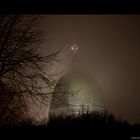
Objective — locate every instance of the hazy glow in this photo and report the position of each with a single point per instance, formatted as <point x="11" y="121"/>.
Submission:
<point x="74" y="48"/>
<point x="109" y="49"/>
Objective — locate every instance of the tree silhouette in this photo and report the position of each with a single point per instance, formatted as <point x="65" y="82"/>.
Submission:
<point x="22" y="65"/>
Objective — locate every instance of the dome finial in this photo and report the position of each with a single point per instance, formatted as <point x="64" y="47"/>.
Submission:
<point x="74" y="48"/>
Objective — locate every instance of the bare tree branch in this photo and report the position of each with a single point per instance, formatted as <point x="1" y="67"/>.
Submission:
<point x="22" y="63"/>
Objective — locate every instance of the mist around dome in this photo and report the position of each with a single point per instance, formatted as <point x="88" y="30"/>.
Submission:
<point x="76" y="91"/>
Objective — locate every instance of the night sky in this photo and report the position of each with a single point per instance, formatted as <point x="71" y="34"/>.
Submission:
<point x="109" y="48"/>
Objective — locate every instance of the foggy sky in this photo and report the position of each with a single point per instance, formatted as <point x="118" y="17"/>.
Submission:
<point x="109" y="47"/>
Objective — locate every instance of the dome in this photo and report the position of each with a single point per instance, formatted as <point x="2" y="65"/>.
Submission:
<point x="76" y="91"/>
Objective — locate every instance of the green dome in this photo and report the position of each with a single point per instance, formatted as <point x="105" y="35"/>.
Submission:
<point x="76" y="90"/>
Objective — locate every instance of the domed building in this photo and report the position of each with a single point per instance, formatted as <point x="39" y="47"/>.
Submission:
<point x="76" y="92"/>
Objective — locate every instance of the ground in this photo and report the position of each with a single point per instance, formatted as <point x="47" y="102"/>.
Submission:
<point x="88" y="126"/>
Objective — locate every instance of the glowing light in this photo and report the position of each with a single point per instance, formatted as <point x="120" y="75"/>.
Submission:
<point x="74" y="48"/>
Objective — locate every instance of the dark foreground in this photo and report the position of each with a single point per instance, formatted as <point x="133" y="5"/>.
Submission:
<point x="86" y="126"/>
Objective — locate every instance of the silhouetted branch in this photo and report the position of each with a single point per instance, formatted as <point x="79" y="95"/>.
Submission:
<point x="22" y="63"/>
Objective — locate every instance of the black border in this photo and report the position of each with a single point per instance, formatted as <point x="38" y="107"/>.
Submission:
<point x="46" y="7"/>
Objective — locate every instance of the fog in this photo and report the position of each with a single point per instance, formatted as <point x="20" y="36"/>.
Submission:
<point x="109" y="47"/>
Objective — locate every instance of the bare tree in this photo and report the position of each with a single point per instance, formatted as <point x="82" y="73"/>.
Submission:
<point x="22" y="65"/>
